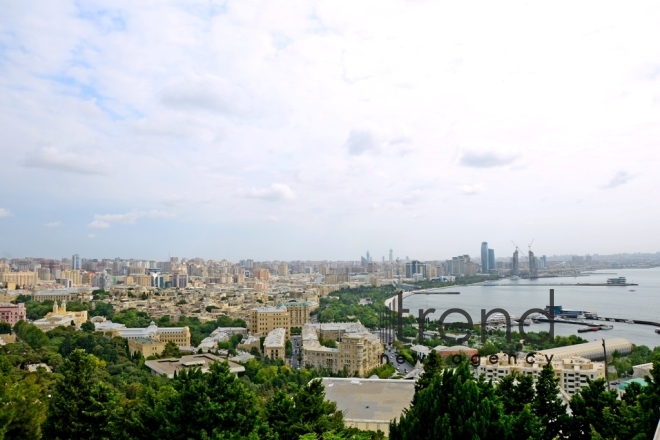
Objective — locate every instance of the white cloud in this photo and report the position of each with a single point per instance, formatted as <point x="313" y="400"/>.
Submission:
<point x="129" y="218"/>
<point x="276" y="192"/>
<point x="471" y="190"/>
<point x="91" y="235"/>
<point x="619" y="179"/>
<point x="5" y="212"/>
<point x="54" y="224"/>
<point x="361" y="141"/>
<point x="51" y="158"/>
<point x="486" y="159"/>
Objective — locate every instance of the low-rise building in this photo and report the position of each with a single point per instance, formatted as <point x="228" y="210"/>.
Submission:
<point x="52" y="295"/>
<point x="12" y="313"/>
<point x="358" y="350"/>
<point x="275" y="343"/>
<point x="61" y="317"/>
<point x="171" y="366"/>
<point x="369" y="404"/>
<point x="572" y="372"/>
<point x="591" y="350"/>
<point x="179" y="335"/>
<point x="146" y="346"/>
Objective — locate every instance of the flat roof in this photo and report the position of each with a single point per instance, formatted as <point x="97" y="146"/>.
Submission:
<point x="369" y="399"/>
<point x="171" y="365"/>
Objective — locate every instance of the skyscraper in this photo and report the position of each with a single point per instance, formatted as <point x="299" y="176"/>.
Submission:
<point x="491" y="259"/>
<point x="75" y="262"/>
<point x="484" y="257"/>
<point x="368" y="257"/>
<point x="391" y="255"/>
<point x="514" y="266"/>
<point x="533" y="272"/>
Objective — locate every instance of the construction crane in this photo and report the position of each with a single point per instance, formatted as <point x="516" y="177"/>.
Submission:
<point x="529" y="246"/>
<point x="518" y="249"/>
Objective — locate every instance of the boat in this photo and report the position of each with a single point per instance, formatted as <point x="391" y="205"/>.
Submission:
<point x="629" y="321"/>
<point x="514" y="278"/>
<point x="605" y="326"/>
<point x="490" y="284"/>
<point x="632" y="290"/>
<point x="572" y="314"/>
<point x="617" y="281"/>
<point x="588" y="329"/>
<point x="657" y="330"/>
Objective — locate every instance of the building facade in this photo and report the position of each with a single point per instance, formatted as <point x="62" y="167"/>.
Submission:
<point x="12" y="313"/>
<point x="275" y="343"/>
<point x="298" y="313"/>
<point x="358" y="351"/>
<point x="484" y="257"/>
<point x="263" y="320"/>
<point x="572" y="372"/>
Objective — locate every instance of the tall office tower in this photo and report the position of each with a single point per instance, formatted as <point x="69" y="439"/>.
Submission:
<point x="391" y="255"/>
<point x="514" y="266"/>
<point x="484" y="257"/>
<point x="368" y="257"/>
<point x="532" y="265"/>
<point x="363" y="262"/>
<point x="75" y="262"/>
<point x="491" y="259"/>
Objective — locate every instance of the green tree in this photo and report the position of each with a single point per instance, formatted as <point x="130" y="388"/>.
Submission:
<point x="5" y="328"/>
<point x="82" y="406"/>
<point x="314" y="414"/>
<point x="453" y="406"/>
<point x="649" y="402"/>
<point x="171" y="350"/>
<point x="547" y="405"/>
<point x="31" y="335"/>
<point x="23" y="409"/>
<point x="594" y="408"/>
<point x="279" y="412"/>
<point x="215" y="405"/>
<point x="433" y="364"/>
<point x="88" y="326"/>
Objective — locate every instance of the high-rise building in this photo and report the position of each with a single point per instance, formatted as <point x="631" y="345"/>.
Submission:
<point x="415" y="267"/>
<point x="484" y="257"/>
<point x="391" y="255"/>
<point x="75" y="262"/>
<point x="368" y="258"/>
<point x="532" y="265"/>
<point x="514" y="266"/>
<point x="491" y="259"/>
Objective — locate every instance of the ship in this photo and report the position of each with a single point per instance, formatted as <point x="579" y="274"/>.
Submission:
<point x="657" y="330"/>
<point x="617" y="281"/>
<point x="560" y="312"/>
<point x="605" y="326"/>
<point x="588" y="329"/>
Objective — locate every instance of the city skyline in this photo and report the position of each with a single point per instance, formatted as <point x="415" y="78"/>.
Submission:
<point x="326" y="129"/>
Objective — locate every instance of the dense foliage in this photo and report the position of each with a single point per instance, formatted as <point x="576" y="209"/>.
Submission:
<point x="99" y="391"/>
<point x="452" y="404"/>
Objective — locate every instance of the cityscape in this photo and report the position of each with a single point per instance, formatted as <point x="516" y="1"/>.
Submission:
<point x="185" y="313"/>
<point x="329" y="220"/>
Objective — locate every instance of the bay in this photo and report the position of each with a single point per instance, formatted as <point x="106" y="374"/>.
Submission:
<point x="517" y="296"/>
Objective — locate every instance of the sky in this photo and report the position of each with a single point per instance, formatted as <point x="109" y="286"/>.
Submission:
<point x="318" y="130"/>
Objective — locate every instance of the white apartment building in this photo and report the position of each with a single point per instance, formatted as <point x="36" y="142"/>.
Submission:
<point x="274" y="344"/>
<point x="572" y="372"/>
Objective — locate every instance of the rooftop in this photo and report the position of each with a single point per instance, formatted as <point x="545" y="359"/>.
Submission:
<point x="171" y="365"/>
<point x="369" y="399"/>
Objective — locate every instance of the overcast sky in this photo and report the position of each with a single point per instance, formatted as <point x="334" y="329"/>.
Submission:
<point x="323" y="129"/>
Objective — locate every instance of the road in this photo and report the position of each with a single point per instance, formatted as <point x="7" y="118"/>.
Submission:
<point x="296" y="341"/>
